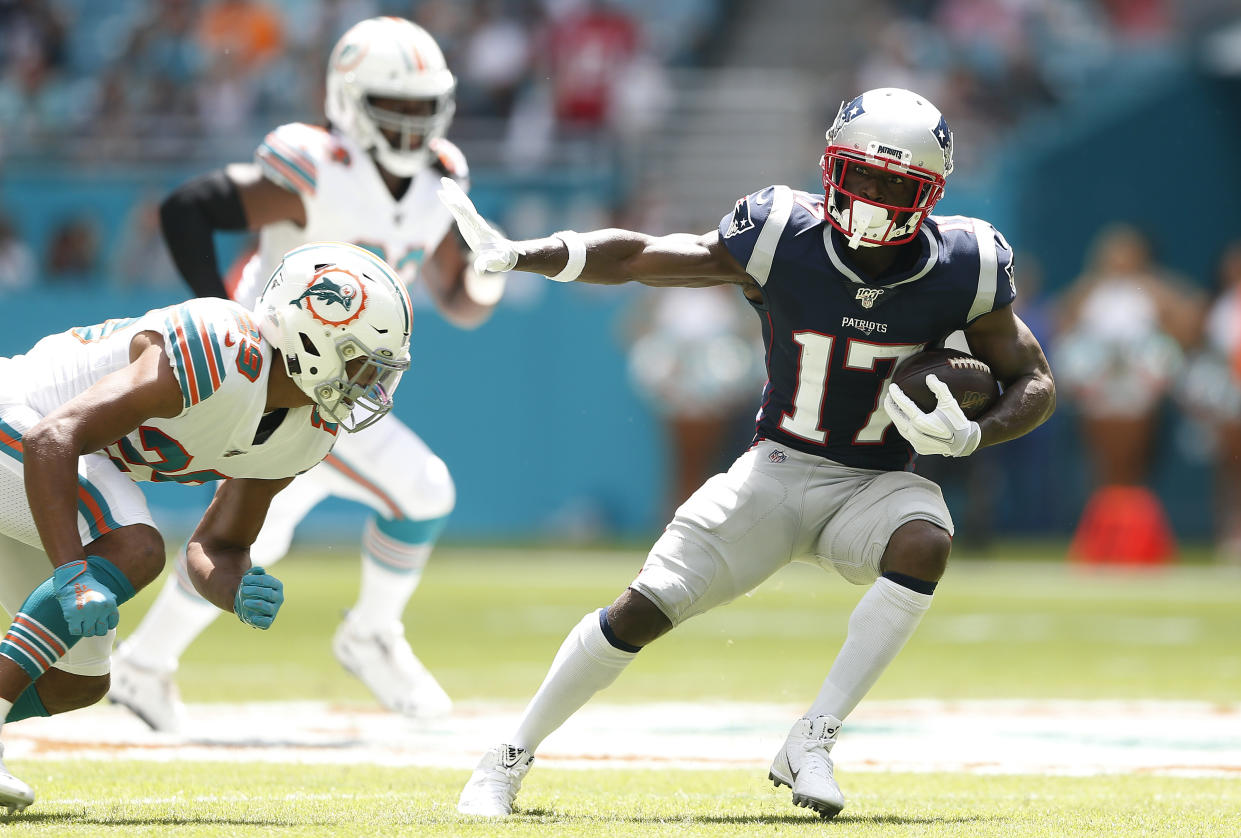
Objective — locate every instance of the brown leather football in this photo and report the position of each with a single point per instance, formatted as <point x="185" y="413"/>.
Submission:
<point x="969" y="379"/>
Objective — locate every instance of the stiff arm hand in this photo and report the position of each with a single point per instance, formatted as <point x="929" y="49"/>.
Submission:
<point x="493" y="253"/>
<point x="259" y="597"/>
<point x="944" y="430"/>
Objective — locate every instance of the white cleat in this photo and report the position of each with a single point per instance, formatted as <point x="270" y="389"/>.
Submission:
<point x="493" y="786"/>
<point x="382" y="659"/>
<point x="14" y="794"/>
<point x="805" y="765"/>
<point x="149" y="693"/>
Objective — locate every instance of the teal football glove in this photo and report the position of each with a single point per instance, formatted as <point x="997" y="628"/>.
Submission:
<point x="259" y="597"/>
<point x="89" y="606"/>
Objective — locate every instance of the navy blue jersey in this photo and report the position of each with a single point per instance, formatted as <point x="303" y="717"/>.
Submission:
<point x="834" y="337"/>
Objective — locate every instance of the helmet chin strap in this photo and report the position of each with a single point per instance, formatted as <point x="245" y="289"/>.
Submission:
<point x="864" y="218"/>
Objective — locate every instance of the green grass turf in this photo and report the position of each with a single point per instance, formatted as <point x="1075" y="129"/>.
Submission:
<point x="488" y="622"/>
<point x="186" y="799"/>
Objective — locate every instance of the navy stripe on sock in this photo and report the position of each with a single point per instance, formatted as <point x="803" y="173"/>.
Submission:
<point x="610" y="635"/>
<point x="920" y="586"/>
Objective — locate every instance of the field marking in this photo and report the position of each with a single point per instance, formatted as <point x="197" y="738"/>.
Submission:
<point x="985" y="737"/>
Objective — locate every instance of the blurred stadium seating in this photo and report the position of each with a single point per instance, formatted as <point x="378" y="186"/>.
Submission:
<point x="1068" y="115"/>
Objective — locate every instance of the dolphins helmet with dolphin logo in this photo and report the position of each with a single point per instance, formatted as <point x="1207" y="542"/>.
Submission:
<point x="327" y="306"/>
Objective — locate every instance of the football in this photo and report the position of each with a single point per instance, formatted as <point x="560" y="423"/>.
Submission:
<point x="968" y="378"/>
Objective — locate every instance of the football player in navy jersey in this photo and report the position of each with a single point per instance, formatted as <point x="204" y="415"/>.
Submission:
<point x="846" y="284"/>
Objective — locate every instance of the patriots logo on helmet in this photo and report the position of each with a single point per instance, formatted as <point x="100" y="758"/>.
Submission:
<point x="852" y="111"/>
<point x="944" y="134"/>
<point x="741" y="219"/>
<point x="331" y="301"/>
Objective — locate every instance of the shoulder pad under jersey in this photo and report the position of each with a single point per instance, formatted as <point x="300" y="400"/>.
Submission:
<point x="978" y="246"/>
<point x="208" y="340"/>
<point x="292" y="154"/>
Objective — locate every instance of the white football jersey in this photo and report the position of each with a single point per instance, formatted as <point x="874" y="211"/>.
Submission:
<point x="222" y="364"/>
<point x="347" y="200"/>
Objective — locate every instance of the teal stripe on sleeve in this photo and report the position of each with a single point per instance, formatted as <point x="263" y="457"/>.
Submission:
<point x="198" y="352"/>
<point x="179" y="362"/>
<point x="280" y="160"/>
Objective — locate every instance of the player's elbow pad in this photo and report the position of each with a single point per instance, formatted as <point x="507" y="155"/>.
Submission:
<point x="213" y="197"/>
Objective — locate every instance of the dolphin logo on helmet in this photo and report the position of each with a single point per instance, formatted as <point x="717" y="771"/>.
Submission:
<point x="323" y="295"/>
<point x="341" y="319"/>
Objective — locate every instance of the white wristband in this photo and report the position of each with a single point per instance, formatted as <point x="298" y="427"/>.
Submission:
<point x="577" y="255"/>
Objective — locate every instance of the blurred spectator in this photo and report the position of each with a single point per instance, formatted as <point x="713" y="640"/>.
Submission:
<point x="141" y="260"/>
<point x="1139" y="20"/>
<point x="1123" y="325"/>
<point x="238" y="39"/>
<point x="17" y="264"/>
<point x="696" y="356"/>
<point x="587" y="49"/>
<point x="73" y="253"/>
<point x="1211" y="391"/>
<point x="495" y="61"/>
<point x="37" y="103"/>
<point x="245" y="33"/>
<point x="905" y="53"/>
<point x="31" y="28"/>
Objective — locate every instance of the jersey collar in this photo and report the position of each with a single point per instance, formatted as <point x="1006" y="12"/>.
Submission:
<point x="927" y="259"/>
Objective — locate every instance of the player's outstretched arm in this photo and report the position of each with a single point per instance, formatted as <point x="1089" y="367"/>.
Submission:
<point x="218" y="553"/>
<point x="603" y="257"/>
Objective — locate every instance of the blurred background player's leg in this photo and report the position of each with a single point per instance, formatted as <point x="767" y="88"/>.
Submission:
<point x="370" y="642"/>
<point x="392" y="471"/>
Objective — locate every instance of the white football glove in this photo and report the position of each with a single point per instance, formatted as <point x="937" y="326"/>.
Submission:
<point x="493" y="253"/>
<point x="944" y="430"/>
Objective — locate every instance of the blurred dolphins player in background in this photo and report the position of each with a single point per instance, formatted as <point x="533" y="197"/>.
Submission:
<point x="370" y="177"/>
<point x="846" y="283"/>
<point x="202" y="391"/>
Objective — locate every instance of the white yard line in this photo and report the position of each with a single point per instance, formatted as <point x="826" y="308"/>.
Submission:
<point x="1036" y="737"/>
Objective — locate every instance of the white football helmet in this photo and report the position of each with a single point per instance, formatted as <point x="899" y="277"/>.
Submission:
<point x="329" y="304"/>
<point x="390" y="57"/>
<point x="895" y="130"/>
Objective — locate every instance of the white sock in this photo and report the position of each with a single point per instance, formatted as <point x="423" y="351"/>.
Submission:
<point x="585" y="664"/>
<point x="391" y="571"/>
<point x="177" y="616"/>
<point x="882" y="622"/>
<point x="5" y="707"/>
